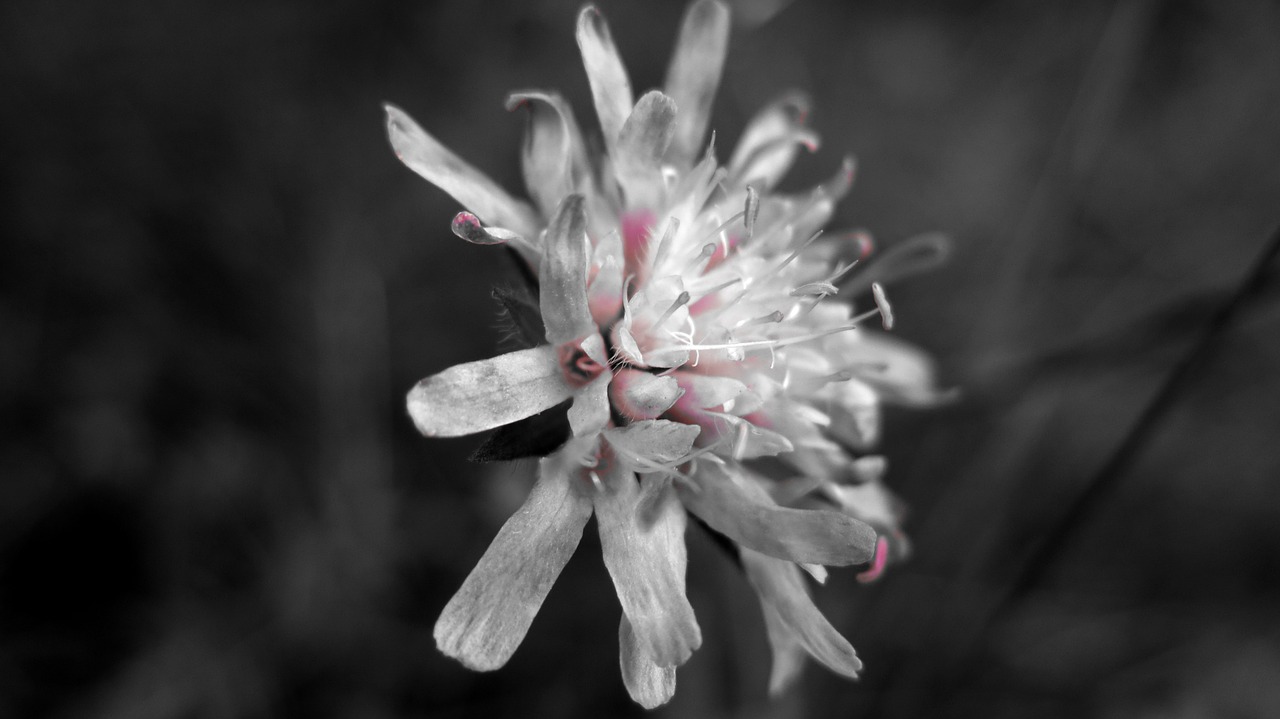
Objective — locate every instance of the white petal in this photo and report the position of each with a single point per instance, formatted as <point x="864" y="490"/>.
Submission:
<point x="647" y="564"/>
<point x="782" y="591"/>
<point x="486" y="620"/>
<point x="707" y="391"/>
<point x="423" y="154"/>
<point x="649" y="685"/>
<point x="610" y="87"/>
<point x="744" y="512"/>
<point x="900" y="372"/>
<point x="655" y="440"/>
<point x="769" y="144"/>
<point x="643" y="395"/>
<point x="589" y="412"/>
<point x="855" y="414"/>
<point x="554" y="158"/>
<point x="563" y="275"/>
<point x="788" y="654"/>
<point x="694" y="74"/>
<point x="643" y="140"/>
<point x="476" y="396"/>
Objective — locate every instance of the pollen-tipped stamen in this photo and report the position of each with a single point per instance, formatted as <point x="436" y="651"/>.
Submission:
<point x="882" y="304"/>
<point x="680" y="301"/>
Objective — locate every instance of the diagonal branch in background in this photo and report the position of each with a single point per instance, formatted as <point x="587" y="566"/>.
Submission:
<point x="1042" y="556"/>
<point x="1048" y="549"/>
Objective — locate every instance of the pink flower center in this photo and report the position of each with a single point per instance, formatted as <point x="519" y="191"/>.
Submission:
<point x="578" y="367"/>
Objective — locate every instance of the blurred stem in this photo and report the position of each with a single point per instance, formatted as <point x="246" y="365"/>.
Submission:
<point x="1045" y="552"/>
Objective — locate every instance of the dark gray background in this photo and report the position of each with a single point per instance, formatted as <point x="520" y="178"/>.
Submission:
<point x="218" y="283"/>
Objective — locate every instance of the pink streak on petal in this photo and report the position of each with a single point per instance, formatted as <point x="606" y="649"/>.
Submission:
<point x="878" y="562"/>
<point x="636" y="228"/>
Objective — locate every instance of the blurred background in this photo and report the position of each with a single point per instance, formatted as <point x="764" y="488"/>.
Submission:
<point x="219" y="283"/>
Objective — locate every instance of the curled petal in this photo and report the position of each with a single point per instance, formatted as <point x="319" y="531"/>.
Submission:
<point x="643" y="140"/>
<point x="470" y="228"/>
<point x="554" y="158"/>
<point x="653" y="440"/>
<point x="563" y="275"/>
<point x="643" y="395"/>
<point x="769" y="144"/>
<point x="913" y="256"/>
<point x="610" y="87"/>
<point x="476" y="396"/>
<point x="423" y="154"/>
<point x="486" y="620"/>
<point x="782" y="592"/>
<point x="647" y="564"/>
<point x="649" y="685"/>
<point x="694" y="74"/>
<point x="743" y="511"/>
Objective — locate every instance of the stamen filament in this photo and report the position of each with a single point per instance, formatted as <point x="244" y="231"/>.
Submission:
<point x="664" y="245"/>
<point x="680" y="301"/>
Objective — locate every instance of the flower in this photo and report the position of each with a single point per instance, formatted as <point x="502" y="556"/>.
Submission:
<point x="690" y="316"/>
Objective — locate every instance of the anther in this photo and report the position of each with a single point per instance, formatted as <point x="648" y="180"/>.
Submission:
<point x="708" y="250"/>
<point x="681" y="300"/>
<point x="772" y="317"/>
<point x="751" y="211"/>
<point x="882" y="304"/>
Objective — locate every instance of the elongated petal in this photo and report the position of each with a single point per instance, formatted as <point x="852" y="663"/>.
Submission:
<point x="642" y="142"/>
<point x="563" y="275"/>
<point x="649" y="685"/>
<point x="694" y="74"/>
<point x="782" y="591"/>
<point x="423" y="154"/>
<point x="655" y="440"/>
<point x="771" y="140"/>
<point x="648" y="567"/>
<point x="743" y="511"/>
<point x="590" y="411"/>
<point x="554" y="157"/>
<point x="610" y="87"/>
<point x="476" y="396"/>
<point x="788" y="653"/>
<point x="486" y="620"/>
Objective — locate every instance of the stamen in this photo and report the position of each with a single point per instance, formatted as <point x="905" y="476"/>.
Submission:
<point x="708" y="250"/>
<point x="818" y="289"/>
<point x="664" y="245"/>
<point x="595" y="480"/>
<point x="681" y="300"/>
<point x="757" y="281"/>
<point x="773" y="343"/>
<point x="866" y="316"/>
<point x="772" y="317"/>
<point x="882" y="304"/>
<point x="751" y="211"/>
<point x="724" y="226"/>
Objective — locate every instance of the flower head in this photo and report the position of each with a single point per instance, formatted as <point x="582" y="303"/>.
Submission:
<point x="695" y="320"/>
